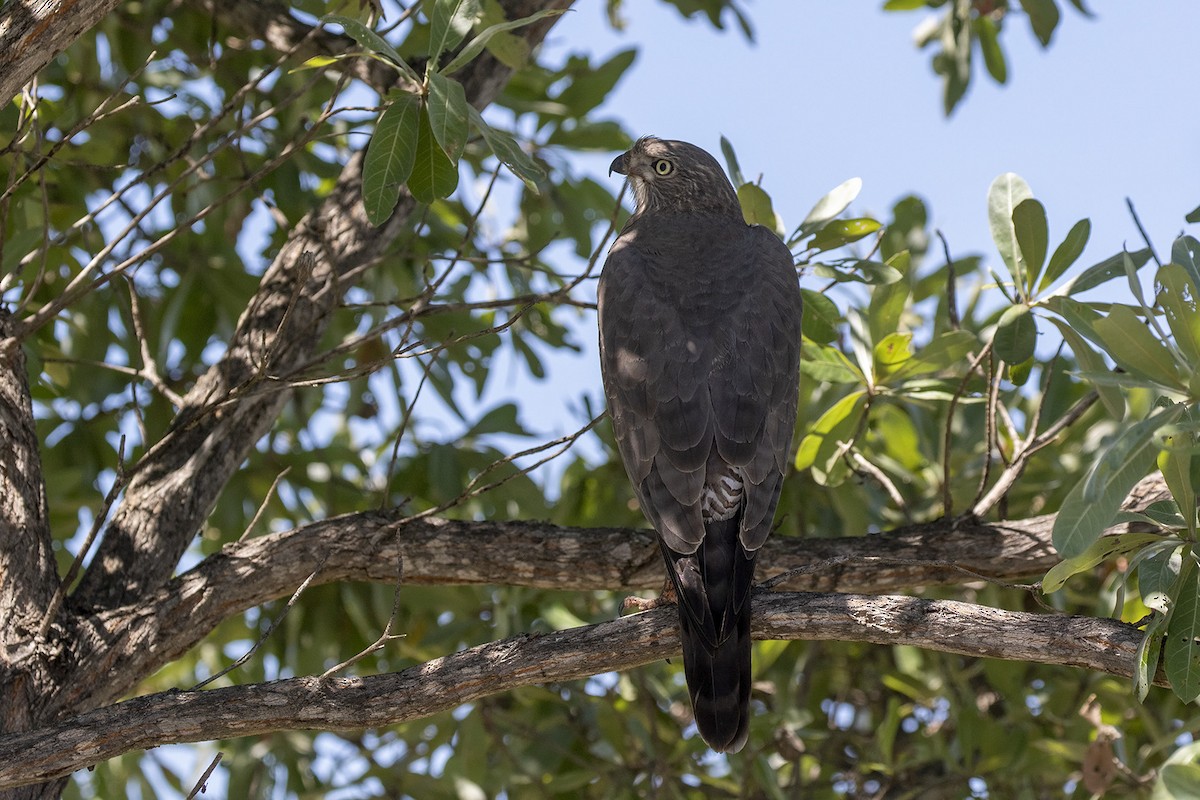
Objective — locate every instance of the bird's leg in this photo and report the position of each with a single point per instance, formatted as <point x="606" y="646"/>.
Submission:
<point x="666" y="597"/>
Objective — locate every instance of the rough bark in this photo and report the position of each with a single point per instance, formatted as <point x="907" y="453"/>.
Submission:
<point x="34" y="32"/>
<point x="143" y="637"/>
<point x="27" y="569"/>
<point x="354" y="703"/>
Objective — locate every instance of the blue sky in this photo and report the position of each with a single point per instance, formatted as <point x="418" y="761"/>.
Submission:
<point x="830" y="91"/>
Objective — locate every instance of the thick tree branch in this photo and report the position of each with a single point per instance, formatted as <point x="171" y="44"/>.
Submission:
<point x="143" y="637"/>
<point x="28" y="574"/>
<point x="235" y="403"/>
<point x="33" y="32"/>
<point x="1102" y="645"/>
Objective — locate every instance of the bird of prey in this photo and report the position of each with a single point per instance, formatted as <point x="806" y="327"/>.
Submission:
<point x="700" y="348"/>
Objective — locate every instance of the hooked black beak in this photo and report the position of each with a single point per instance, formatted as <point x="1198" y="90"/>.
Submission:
<point x="620" y="165"/>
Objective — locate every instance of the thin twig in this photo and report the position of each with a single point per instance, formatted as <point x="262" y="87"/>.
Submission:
<point x="263" y="505"/>
<point x="951" y="291"/>
<point x="387" y="635"/>
<point x="270" y="628"/>
<point x="1145" y="237"/>
<point x="201" y="785"/>
<point x="110" y="497"/>
<point x="947" y="434"/>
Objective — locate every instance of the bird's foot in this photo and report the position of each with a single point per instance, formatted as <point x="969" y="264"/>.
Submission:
<point x="666" y="597"/>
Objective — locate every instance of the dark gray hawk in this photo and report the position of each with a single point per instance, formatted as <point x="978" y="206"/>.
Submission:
<point x="700" y="347"/>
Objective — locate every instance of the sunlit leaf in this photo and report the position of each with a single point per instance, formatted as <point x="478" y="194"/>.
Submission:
<point x="756" y="206"/>
<point x="828" y="364"/>
<point x="370" y="40"/>
<point x="944" y="352"/>
<point x="822" y="445"/>
<point x="1181" y="653"/>
<point x="1090" y="361"/>
<point x="1091" y="505"/>
<point x="1004" y="195"/>
<point x="1105" y="271"/>
<point x="989" y="45"/>
<point x="1067" y="252"/>
<point x="1099" y="551"/>
<point x="1135" y="349"/>
<point x="829" y="206"/>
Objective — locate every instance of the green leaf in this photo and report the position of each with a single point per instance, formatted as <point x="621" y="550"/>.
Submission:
<point x="828" y="364"/>
<point x="903" y="5"/>
<point x="1185" y="251"/>
<point x="1043" y="18"/>
<point x="821" y="448"/>
<point x="1156" y="575"/>
<point x="1016" y="334"/>
<point x="1091" y="505"/>
<point x="17" y="246"/>
<point x="1090" y="361"/>
<point x="838" y="232"/>
<point x="433" y="176"/>
<point x="829" y="206"/>
<point x="1100" y="550"/>
<point x="989" y="45"/>
<point x="390" y="156"/>
<point x="1033" y="239"/>
<point x="756" y="206"/>
<point x="448" y="114"/>
<point x="1104" y="271"/>
<point x="821" y="317"/>
<point x="449" y="23"/>
<point x="1177" y="299"/>
<point x="1067" y="253"/>
<point x="889" y="300"/>
<point x="890" y="353"/>
<point x="1181" y="654"/>
<point x="1130" y="343"/>
<point x="731" y="162"/>
<point x="508" y="151"/>
<point x="476" y="45"/>
<point x="589" y="89"/>
<point x="870" y="272"/>
<point x="1193" y="215"/>
<point x="1006" y="193"/>
<point x="944" y="352"/>
<point x="371" y="40"/>
<point x="1148" y="653"/>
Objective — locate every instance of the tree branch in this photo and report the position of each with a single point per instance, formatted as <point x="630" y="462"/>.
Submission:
<point x="28" y="574"/>
<point x="1102" y="645"/>
<point x="143" y="637"/>
<point x="237" y="400"/>
<point x="34" y="32"/>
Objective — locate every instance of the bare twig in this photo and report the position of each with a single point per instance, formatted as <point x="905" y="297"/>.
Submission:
<point x="202" y="784"/>
<point x="270" y="628"/>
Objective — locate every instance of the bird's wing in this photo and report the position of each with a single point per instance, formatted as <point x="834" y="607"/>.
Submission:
<point x="677" y="382"/>
<point x="655" y="374"/>
<point x="753" y="389"/>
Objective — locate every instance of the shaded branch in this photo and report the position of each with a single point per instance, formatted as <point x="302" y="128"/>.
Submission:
<point x="368" y="547"/>
<point x="1102" y="645"/>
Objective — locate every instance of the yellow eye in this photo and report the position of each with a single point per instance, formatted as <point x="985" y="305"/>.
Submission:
<point x="663" y="167"/>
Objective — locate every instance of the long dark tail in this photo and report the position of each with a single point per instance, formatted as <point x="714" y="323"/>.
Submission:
<point x="713" y="585"/>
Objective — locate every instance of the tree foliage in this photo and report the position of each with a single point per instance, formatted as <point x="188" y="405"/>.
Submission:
<point x="262" y="264"/>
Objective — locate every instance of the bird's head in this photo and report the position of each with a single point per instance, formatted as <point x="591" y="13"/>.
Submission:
<point x="673" y="176"/>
